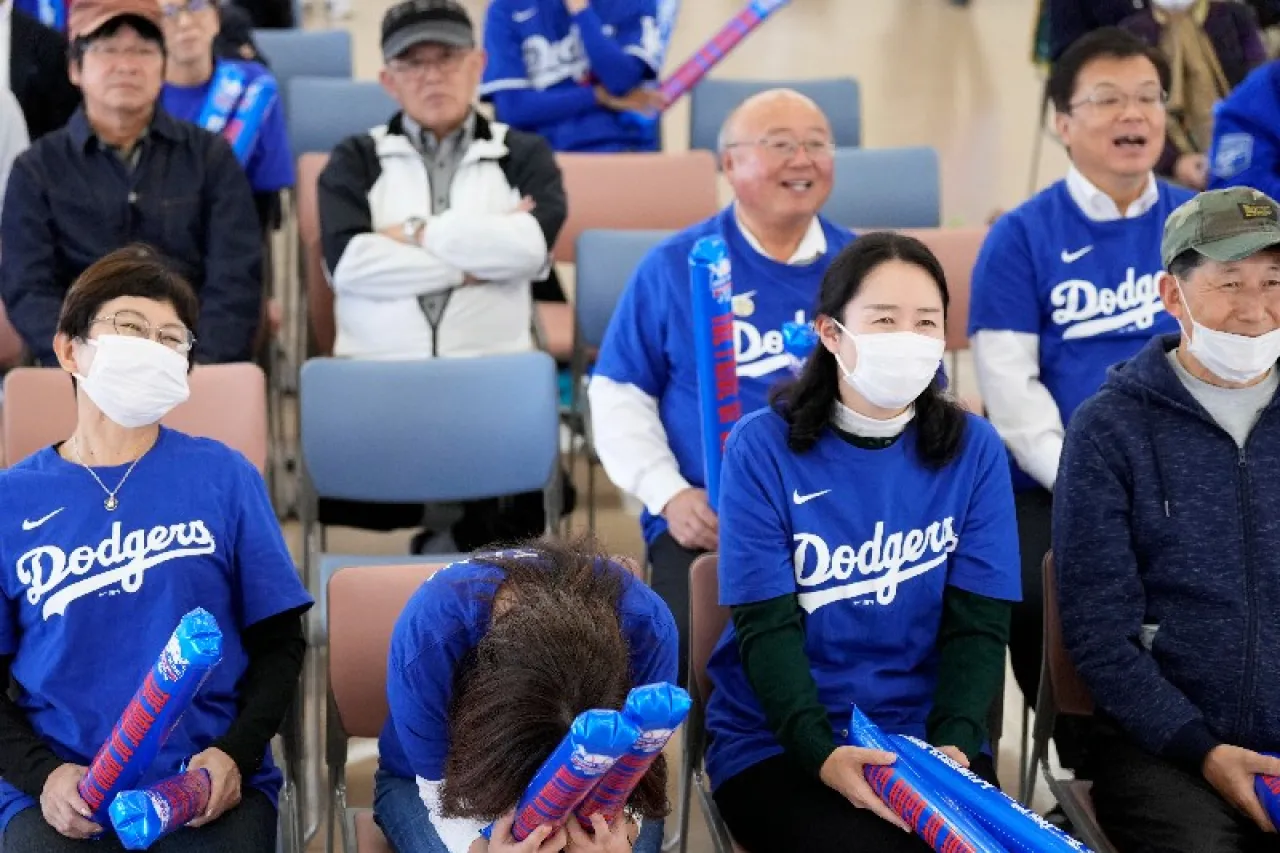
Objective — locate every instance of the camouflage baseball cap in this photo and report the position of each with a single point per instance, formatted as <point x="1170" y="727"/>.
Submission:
<point x="1223" y="225"/>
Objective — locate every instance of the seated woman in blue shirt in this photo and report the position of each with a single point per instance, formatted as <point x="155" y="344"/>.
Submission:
<point x="491" y="660"/>
<point x="191" y="92"/>
<point x="868" y="552"/>
<point x="114" y="535"/>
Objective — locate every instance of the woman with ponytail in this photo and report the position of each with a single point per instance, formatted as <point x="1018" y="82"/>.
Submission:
<point x="869" y="555"/>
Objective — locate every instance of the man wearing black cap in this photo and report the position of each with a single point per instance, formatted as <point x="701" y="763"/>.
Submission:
<point x="435" y="224"/>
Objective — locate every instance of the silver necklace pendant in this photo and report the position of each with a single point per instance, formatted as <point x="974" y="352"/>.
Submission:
<point x="111" y="503"/>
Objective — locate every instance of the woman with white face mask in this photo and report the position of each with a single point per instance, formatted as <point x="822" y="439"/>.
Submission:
<point x="114" y="535"/>
<point x="869" y="552"/>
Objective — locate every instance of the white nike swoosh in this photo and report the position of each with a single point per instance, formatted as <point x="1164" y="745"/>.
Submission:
<point x="27" y="524"/>
<point x="1072" y="257"/>
<point x="804" y="499"/>
<point x="521" y="17"/>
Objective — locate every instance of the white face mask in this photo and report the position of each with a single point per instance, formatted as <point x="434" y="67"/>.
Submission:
<point x="1173" y="5"/>
<point x="134" y="381"/>
<point x="1235" y="358"/>
<point x="893" y="368"/>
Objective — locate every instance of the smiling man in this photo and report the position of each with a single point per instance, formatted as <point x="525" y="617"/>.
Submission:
<point x="776" y="152"/>
<point x="1066" y="285"/>
<point x="123" y="171"/>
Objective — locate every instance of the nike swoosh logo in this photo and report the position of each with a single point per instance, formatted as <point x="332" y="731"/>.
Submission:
<point x="804" y="499"/>
<point x="27" y="524"/>
<point x="1072" y="257"/>
<point x="521" y="17"/>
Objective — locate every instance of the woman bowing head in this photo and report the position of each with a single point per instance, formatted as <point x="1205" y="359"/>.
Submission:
<point x="868" y="553"/>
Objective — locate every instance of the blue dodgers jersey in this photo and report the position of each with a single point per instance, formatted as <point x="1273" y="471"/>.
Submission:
<point x="270" y="166"/>
<point x="650" y="344"/>
<point x="445" y="619"/>
<point x="867" y="541"/>
<point x="1089" y="290"/>
<point x="535" y="44"/>
<point x="92" y="596"/>
<point x="1246" y="134"/>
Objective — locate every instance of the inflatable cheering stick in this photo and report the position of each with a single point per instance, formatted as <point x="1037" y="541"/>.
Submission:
<point x="1268" y="790"/>
<point x="942" y="825"/>
<point x="595" y="741"/>
<point x="193" y="650"/>
<point x="715" y="352"/>
<point x="141" y="818"/>
<point x="1015" y="826"/>
<point x="656" y="710"/>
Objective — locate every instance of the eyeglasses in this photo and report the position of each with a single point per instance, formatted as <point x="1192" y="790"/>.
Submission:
<point x="1111" y="102"/>
<point x="115" y="52"/>
<point x="783" y="148"/>
<point x="173" y="10"/>
<point x="131" y="324"/>
<point x="418" y="65"/>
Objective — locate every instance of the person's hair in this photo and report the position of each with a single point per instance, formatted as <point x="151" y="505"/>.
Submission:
<point x="1104" y="43"/>
<point x="136" y="270"/>
<point x="554" y="649"/>
<point x="1185" y="263"/>
<point x="139" y="24"/>
<point x="807" y="401"/>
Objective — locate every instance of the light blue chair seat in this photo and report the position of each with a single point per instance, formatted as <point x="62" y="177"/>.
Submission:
<point x="305" y="53"/>
<point x="712" y="100"/>
<point x="323" y="111"/>
<point x="885" y="188"/>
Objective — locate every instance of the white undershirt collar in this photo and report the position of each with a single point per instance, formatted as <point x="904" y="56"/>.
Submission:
<point x="1099" y="207"/>
<point x="812" y="246"/>
<point x="856" y="423"/>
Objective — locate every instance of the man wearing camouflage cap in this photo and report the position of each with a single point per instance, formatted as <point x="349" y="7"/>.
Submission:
<point x="1167" y="544"/>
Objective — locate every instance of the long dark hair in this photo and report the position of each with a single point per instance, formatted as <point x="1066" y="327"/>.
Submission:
<point x="555" y="648"/>
<point x="806" y="402"/>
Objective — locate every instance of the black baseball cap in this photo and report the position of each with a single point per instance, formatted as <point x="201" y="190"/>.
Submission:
<point x="414" y="22"/>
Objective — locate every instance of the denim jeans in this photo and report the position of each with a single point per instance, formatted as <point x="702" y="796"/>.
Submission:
<point x="406" y="822"/>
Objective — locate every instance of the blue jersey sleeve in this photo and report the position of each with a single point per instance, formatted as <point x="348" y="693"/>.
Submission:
<point x="504" y="56"/>
<point x="1246" y="146"/>
<point x="634" y="348"/>
<point x="1004" y="294"/>
<point x="270" y="166"/>
<point x="653" y="641"/>
<point x="640" y="36"/>
<point x="756" y="561"/>
<point x="986" y="560"/>
<point x="267" y="581"/>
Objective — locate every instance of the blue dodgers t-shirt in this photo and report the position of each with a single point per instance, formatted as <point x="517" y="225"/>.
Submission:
<point x="445" y="619"/>
<point x="1089" y="290"/>
<point x="91" y="596"/>
<point x="867" y="541"/>
<point x="650" y="339"/>
<point x="270" y="165"/>
<point x="535" y="44"/>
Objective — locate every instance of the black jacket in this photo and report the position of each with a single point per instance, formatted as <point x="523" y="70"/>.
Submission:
<point x="70" y="201"/>
<point x="38" y="75"/>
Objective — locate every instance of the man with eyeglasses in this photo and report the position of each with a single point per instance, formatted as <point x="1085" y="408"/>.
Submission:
<point x="226" y="96"/>
<point x="1066" y="286"/>
<point x="575" y="71"/>
<point x="434" y="226"/>
<point x="125" y="171"/>
<point x="776" y="152"/>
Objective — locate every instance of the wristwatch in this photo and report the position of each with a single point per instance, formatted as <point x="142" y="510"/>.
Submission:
<point x="413" y="228"/>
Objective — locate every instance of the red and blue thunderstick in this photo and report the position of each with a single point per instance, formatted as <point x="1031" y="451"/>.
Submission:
<point x="141" y="818"/>
<point x="236" y="110"/>
<point x="716" y="49"/>
<point x="193" y="650"/>
<point x="656" y="710"/>
<point x="1268" y="790"/>
<point x="715" y="353"/>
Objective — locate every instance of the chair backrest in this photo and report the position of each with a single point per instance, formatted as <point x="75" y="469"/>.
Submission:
<point x="319" y="295"/>
<point x="430" y="430"/>
<point x="712" y="100"/>
<point x="957" y="251"/>
<point x="323" y="111"/>
<point x="364" y="603"/>
<point x="707" y="619"/>
<point x="606" y="260"/>
<point x="635" y="191"/>
<point x="1070" y="695"/>
<point x="305" y="53"/>
<point x="228" y="402"/>
<point x="885" y="188"/>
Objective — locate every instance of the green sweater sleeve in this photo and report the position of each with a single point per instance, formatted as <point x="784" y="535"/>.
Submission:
<point x="771" y="644"/>
<point x="971" y="643"/>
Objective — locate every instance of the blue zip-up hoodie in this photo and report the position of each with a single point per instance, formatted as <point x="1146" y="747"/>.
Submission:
<point x="1163" y="525"/>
